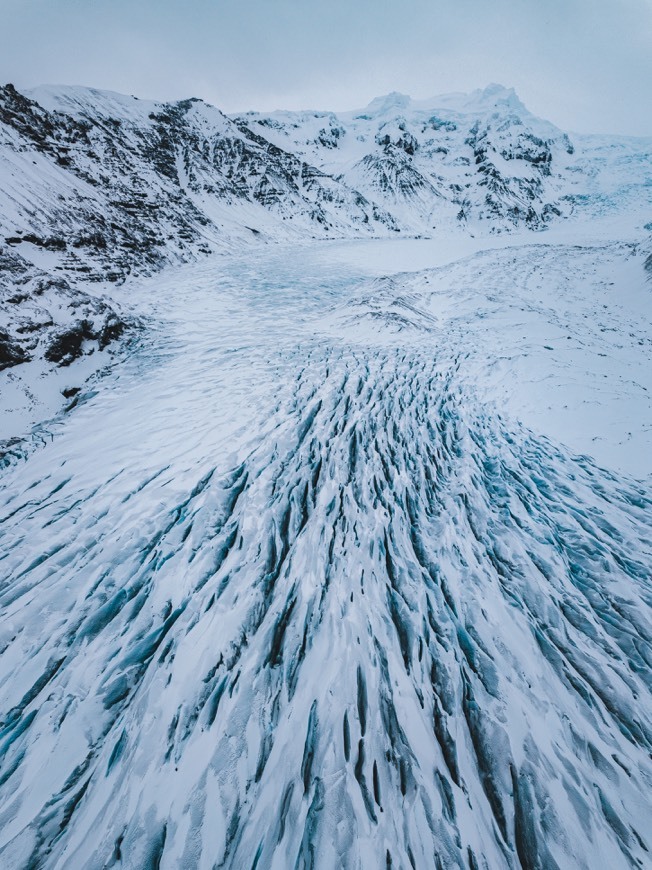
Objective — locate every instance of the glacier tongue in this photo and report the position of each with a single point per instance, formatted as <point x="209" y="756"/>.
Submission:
<point x="278" y="597"/>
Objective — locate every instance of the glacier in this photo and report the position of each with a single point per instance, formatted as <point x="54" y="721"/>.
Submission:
<point x="338" y="553"/>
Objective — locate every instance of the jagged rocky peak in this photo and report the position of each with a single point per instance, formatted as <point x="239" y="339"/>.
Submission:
<point x="456" y="158"/>
<point x="76" y="100"/>
<point x="483" y="154"/>
<point x="396" y="133"/>
<point x="93" y="105"/>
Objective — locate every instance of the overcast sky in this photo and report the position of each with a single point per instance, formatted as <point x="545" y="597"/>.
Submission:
<point x="584" y="64"/>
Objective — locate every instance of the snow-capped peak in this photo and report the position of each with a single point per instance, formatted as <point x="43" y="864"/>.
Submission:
<point x="389" y="103"/>
<point x="492" y="97"/>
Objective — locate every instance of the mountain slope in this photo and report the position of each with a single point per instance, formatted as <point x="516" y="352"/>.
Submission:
<point x="481" y="160"/>
<point x="96" y="186"/>
<point x="465" y="158"/>
<point x="99" y="185"/>
<point x="122" y="183"/>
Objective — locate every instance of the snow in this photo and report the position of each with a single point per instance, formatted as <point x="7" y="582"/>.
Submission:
<point x="78" y="101"/>
<point x="346" y="561"/>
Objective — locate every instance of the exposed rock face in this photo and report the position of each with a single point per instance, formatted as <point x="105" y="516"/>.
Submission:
<point x="49" y="318"/>
<point x="95" y="187"/>
<point x="481" y="157"/>
<point x="11" y="353"/>
<point x="47" y="323"/>
<point x="110" y="185"/>
<point x="123" y="185"/>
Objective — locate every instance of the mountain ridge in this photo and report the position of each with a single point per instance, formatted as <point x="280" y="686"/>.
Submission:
<point x="97" y="186"/>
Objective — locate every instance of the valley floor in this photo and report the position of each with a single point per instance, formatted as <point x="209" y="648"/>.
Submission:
<point x="346" y="565"/>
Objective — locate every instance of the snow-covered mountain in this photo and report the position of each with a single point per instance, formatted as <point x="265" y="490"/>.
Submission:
<point x="480" y="159"/>
<point x="342" y="557"/>
<point x="95" y="186"/>
<point x="121" y="183"/>
<point x="469" y="158"/>
<point x="104" y="184"/>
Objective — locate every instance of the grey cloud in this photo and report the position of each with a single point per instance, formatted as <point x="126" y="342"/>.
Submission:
<point x="585" y="65"/>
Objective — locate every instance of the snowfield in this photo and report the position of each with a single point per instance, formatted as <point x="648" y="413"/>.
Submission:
<point x="342" y="557"/>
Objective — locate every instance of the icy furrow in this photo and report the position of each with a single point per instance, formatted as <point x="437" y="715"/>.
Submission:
<point x="396" y="632"/>
<point x="290" y="592"/>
